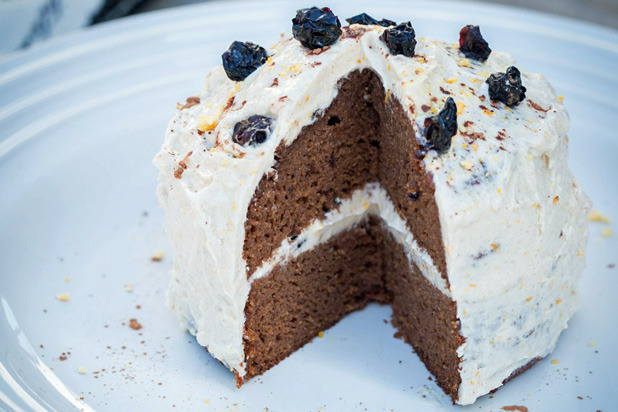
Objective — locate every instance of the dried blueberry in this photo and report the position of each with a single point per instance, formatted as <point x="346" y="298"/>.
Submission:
<point x="242" y="59"/>
<point x="441" y="128"/>
<point x="506" y="87"/>
<point x="400" y="39"/>
<point x="253" y="130"/>
<point x="366" y="20"/>
<point x="472" y="43"/>
<point x="316" y="28"/>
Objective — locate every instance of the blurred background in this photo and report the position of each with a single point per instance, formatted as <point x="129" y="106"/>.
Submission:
<point x="26" y="22"/>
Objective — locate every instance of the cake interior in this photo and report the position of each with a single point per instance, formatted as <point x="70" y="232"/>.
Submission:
<point x="363" y="137"/>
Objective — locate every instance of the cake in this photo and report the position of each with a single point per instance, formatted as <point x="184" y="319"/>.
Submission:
<point x="357" y="164"/>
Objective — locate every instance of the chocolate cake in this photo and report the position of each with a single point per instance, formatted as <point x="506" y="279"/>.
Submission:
<point x="353" y="164"/>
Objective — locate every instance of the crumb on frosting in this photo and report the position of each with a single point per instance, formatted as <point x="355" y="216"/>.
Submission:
<point x="464" y="63"/>
<point x="191" y="101"/>
<point x="467" y="164"/>
<point x="182" y="165"/>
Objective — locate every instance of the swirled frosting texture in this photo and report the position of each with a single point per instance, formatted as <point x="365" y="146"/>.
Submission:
<point x="512" y="214"/>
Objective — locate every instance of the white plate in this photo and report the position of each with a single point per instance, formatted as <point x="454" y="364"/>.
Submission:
<point x="82" y="117"/>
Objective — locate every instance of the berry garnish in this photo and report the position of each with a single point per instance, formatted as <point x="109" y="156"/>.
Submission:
<point x="253" y="130"/>
<point x="506" y="87"/>
<point x="472" y="43"/>
<point x="400" y="39"/>
<point x="242" y="59"/>
<point x="441" y="128"/>
<point x="316" y="28"/>
<point x="366" y="20"/>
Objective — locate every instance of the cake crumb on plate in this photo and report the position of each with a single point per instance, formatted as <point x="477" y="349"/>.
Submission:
<point x="158" y="255"/>
<point x="596" y="216"/>
<point x="63" y="297"/>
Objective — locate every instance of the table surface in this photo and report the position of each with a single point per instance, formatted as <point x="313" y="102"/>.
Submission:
<point x="603" y="12"/>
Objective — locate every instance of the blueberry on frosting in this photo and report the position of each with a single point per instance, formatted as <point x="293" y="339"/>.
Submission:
<point x="441" y="128"/>
<point x="315" y="28"/>
<point x="472" y="44"/>
<point x="242" y="59"/>
<point x="252" y="131"/>
<point x="400" y="39"/>
<point x="366" y="20"/>
<point x="506" y="87"/>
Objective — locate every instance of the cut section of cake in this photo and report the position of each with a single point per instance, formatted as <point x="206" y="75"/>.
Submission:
<point x="353" y="164"/>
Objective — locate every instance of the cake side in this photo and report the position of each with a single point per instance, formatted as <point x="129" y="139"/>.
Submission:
<point x="516" y="283"/>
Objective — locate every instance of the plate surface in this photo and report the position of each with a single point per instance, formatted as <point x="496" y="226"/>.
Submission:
<point x="80" y="120"/>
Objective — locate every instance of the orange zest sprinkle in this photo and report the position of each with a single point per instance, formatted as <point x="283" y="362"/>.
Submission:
<point x="460" y="107"/>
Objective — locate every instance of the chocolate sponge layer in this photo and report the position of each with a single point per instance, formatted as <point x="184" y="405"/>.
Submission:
<point x="309" y="294"/>
<point x="290" y="306"/>
<point x="364" y="136"/>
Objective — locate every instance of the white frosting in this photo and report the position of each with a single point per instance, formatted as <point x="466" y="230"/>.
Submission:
<point x="371" y="200"/>
<point x="512" y="214"/>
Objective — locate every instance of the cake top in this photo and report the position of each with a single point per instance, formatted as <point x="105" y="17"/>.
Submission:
<point x="479" y="117"/>
<point x="292" y="83"/>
